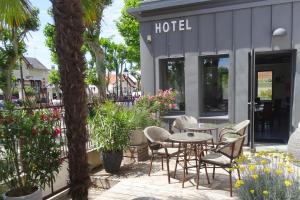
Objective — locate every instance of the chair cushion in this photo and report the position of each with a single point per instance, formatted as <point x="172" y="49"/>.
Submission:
<point x="216" y="158"/>
<point x="171" y="151"/>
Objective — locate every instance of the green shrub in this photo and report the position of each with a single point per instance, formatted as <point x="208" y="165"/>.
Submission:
<point x="110" y="127"/>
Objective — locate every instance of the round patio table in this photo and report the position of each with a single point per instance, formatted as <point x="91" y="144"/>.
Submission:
<point x="195" y="139"/>
<point x="205" y="127"/>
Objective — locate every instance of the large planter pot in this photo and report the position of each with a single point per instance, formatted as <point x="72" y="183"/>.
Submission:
<point x="294" y="144"/>
<point x="137" y="138"/>
<point x="112" y="161"/>
<point x="37" y="195"/>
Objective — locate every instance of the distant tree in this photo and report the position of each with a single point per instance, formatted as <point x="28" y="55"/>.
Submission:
<point x="54" y="78"/>
<point x="93" y="10"/>
<point x="49" y="32"/>
<point x="17" y="19"/>
<point x="129" y="27"/>
<point x="93" y="14"/>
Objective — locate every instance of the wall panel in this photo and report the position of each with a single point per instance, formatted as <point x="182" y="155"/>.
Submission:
<point x="207" y="34"/>
<point x="282" y="18"/>
<point x="261" y="28"/>
<point x="224" y="31"/>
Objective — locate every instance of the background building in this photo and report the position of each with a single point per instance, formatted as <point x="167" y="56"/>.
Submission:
<point x="35" y="75"/>
<point x="227" y="60"/>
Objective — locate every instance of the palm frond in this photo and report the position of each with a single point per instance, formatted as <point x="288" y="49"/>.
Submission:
<point x="14" y="12"/>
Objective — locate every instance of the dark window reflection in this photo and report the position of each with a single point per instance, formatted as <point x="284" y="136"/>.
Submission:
<point x="172" y="76"/>
<point x="215" y="84"/>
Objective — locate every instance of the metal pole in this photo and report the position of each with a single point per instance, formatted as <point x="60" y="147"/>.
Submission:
<point x="252" y="100"/>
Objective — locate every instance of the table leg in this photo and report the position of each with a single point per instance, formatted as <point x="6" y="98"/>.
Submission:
<point x="185" y="164"/>
<point x="196" y="161"/>
<point x="177" y="160"/>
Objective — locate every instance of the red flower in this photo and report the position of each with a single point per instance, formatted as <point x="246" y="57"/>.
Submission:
<point x="56" y="132"/>
<point x="33" y="132"/>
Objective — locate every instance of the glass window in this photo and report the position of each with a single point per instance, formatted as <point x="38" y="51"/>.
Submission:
<point x="264" y="83"/>
<point x="215" y="84"/>
<point x="172" y="76"/>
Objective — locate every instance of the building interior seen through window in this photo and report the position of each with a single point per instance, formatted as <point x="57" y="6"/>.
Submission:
<point x="172" y="76"/>
<point x="215" y="84"/>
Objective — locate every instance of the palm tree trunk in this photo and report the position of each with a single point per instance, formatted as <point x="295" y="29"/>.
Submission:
<point x="68" y="16"/>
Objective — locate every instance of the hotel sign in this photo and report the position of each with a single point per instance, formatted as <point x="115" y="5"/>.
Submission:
<point x="175" y="25"/>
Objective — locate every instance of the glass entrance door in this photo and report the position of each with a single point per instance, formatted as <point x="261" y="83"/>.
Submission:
<point x="270" y="95"/>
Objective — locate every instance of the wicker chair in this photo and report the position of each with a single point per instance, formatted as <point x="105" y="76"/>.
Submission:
<point x="223" y="157"/>
<point x="228" y="134"/>
<point x="184" y="121"/>
<point x="160" y="146"/>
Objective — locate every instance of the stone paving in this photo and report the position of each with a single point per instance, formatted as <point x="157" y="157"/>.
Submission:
<point x="156" y="187"/>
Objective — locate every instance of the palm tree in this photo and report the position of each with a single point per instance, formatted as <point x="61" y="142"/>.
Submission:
<point x="68" y="16"/>
<point x="17" y="18"/>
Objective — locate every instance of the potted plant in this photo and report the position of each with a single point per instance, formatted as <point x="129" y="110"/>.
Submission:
<point x="142" y="119"/>
<point x="110" y="128"/>
<point x="30" y="152"/>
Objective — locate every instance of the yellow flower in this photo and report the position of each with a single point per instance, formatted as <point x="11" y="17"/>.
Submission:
<point x="251" y="191"/>
<point x="242" y="168"/>
<point x="238" y="183"/>
<point x="263" y="162"/>
<point x="280" y="164"/>
<point x="290" y="170"/>
<point x="254" y="176"/>
<point x="265" y="192"/>
<point x="267" y="170"/>
<point x="251" y="167"/>
<point x="279" y="171"/>
<point x="288" y="183"/>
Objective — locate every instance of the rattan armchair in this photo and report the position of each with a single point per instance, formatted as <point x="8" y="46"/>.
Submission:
<point x="228" y="134"/>
<point x="182" y="122"/>
<point x="224" y="157"/>
<point x="160" y="146"/>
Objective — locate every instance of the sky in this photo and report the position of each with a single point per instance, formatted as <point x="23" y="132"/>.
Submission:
<point x="36" y="40"/>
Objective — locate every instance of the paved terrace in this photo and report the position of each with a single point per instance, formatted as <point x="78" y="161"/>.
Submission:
<point x="133" y="182"/>
<point x="156" y="187"/>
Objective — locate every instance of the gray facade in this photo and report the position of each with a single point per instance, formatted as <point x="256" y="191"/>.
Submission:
<point x="232" y="27"/>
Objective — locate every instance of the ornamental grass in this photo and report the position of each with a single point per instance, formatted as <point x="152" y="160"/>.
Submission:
<point x="268" y="176"/>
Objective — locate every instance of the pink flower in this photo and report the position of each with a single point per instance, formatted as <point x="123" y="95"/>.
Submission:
<point x="44" y="117"/>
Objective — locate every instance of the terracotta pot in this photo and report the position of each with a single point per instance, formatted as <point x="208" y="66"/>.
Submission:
<point x="37" y="195"/>
<point x="137" y="137"/>
<point x="294" y="144"/>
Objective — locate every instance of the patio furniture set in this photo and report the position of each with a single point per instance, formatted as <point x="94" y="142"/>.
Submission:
<point x="193" y="146"/>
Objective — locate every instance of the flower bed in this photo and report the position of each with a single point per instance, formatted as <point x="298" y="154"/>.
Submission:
<point x="268" y="176"/>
